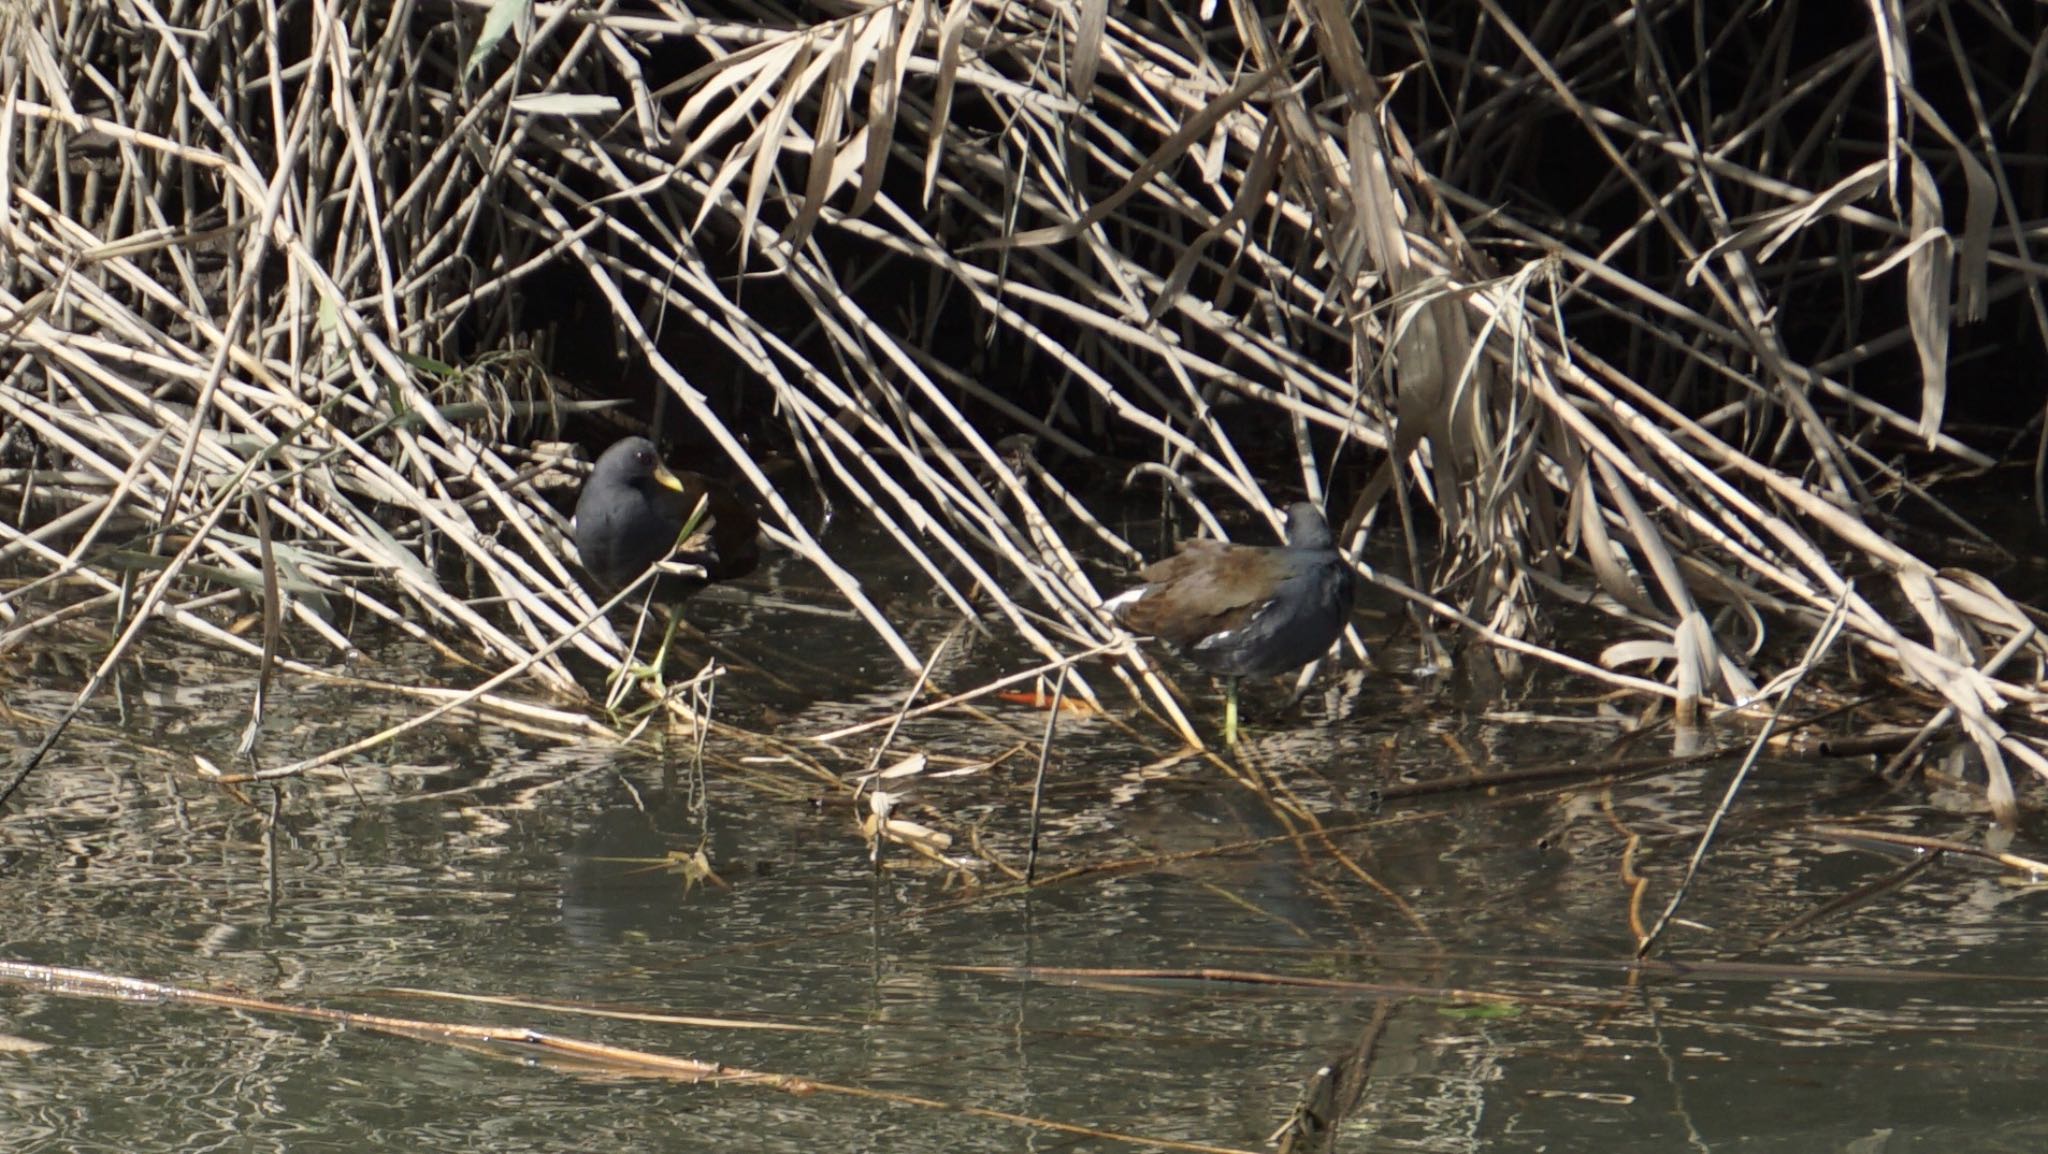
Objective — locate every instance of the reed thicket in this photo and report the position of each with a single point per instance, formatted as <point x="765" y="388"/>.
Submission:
<point x="1665" y="310"/>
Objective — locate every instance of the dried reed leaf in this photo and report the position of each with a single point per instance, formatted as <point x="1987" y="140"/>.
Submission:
<point x="1897" y="59"/>
<point x="504" y="16"/>
<point x="1644" y="651"/>
<point x="1698" y="657"/>
<point x="857" y="42"/>
<point x="1779" y="227"/>
<point x="762" y="69"/>
<point x="1977" y="597"/>
<point x="921" y="836"/>
<point x="766" y="145"/>
<point x="1916" y="582"/>
<point x="1696" y="663"/>
<point x="952" y="29"/>
<point x="908" y="767"/>
<point x="1928" y="270"/>
<point x="1090" y="18"/>
<point x="905" y="27"/>
<point x="1607" y="557"/>
<point x="1980" y="207"/>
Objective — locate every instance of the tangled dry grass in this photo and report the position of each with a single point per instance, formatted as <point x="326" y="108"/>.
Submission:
<point x="1602" y="307"/>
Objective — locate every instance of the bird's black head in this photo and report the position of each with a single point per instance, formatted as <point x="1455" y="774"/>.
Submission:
<point x="633" y="463"/>
<point x="1306" y="528"/>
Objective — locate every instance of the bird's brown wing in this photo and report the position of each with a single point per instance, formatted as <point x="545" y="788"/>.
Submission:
<point x="1204" y="589"/>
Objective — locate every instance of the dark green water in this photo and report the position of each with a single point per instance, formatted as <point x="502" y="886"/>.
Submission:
<point x="472" y="860"/>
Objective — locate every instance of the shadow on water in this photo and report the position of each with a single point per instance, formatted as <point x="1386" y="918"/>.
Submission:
<point x="1472" y="945"/>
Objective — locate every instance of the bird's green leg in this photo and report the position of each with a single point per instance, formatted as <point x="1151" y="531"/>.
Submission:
<point x="654" y="669"/>
<point x="651" y="671"/>
<point x="668" y="634"/>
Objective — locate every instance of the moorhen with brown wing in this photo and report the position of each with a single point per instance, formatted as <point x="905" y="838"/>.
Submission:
<point x="1246" y="610"/>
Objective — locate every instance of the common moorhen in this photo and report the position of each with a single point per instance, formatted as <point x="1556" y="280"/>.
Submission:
<point x="1246" y="610"/>
<point x="632" y="513"/>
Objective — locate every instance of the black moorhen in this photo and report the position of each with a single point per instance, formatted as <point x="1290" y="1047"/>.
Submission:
<point x="1246" y="610"/>
<point x="632" y="513"/>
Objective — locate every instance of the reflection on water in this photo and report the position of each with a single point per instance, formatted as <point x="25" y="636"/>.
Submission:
<point x="1492" y="925"/>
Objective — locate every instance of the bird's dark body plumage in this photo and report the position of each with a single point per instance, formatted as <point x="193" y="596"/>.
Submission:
<point x="632" y="509"/>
